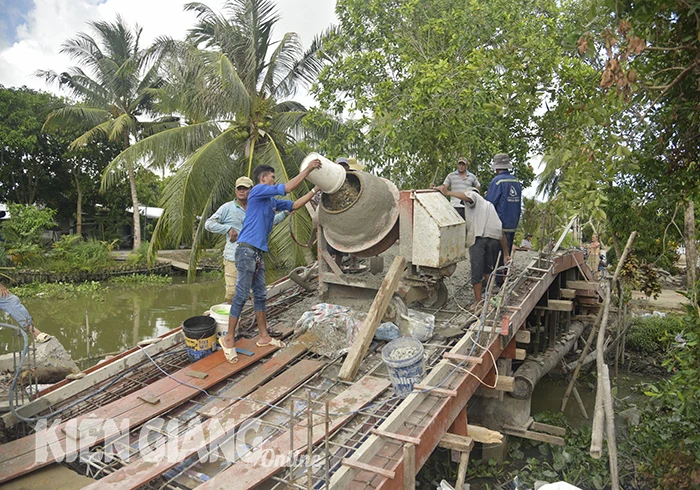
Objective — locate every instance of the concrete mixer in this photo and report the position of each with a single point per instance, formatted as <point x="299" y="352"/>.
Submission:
<point x="364" y="216"/>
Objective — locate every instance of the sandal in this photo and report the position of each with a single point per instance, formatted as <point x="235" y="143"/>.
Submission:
<point x="274" y="333"/>
<point x="42" y="337"/>
<point x="272" y="342"/>
<point x="229" y="352"/>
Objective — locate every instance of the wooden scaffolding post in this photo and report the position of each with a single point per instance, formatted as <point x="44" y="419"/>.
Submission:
<point x="374" y="317"/>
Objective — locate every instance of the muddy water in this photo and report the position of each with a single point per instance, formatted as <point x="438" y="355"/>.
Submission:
<point x="549" y="393"/>
<point x="121" y="316"/>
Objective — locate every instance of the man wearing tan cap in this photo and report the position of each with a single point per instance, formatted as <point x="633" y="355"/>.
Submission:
<point x="459" y="181"/>
<point x="228" y="220"/>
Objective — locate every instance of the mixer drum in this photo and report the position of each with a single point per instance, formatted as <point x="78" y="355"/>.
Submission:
<point x="363" y="217"/>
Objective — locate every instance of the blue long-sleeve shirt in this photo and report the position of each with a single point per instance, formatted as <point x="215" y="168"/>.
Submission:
<point x="260" y="215"/>
<point x="231" y="215"/>
<point x="505" y="193"/>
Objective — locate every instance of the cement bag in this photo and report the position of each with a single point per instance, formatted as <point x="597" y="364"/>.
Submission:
<point x="387" y="331"/>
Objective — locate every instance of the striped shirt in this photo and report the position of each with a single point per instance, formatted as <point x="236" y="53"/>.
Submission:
<point x="457" y="183"/>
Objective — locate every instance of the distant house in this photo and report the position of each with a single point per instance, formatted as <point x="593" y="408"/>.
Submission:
<point x="148" y="211"/>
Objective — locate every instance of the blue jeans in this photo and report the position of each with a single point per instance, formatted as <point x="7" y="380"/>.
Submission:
<point x="251" y="275"/>
<point x="14" y="307"/>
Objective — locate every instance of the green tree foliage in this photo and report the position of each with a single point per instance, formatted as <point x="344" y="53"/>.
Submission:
<point x="113" y="83"/>
<point x="666" y="443"/>
<point x="232" y="81"/>
<point x="429" y="80"/>
<point x="30" y="161"/>
<point x="23" y="230"/>
<point x="620" y="132"/>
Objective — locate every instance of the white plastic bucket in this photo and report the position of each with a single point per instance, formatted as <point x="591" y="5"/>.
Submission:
<point x="220" y="313"/>
<point x="329" y="178"/>
<point x="418" y="325"/>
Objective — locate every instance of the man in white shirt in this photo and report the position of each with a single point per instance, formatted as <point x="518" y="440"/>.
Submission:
<point x="459" y="181"/>
<point x="485" y="237"/>
<point x="228" y="220"/>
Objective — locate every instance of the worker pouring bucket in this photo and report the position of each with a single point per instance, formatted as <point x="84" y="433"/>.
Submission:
<point x="329" y="178"/>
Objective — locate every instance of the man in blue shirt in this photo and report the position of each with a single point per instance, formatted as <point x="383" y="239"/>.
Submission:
<point x="252" y="242"/>
<point x="505" y="193"/>
<point x="228" y="220"/>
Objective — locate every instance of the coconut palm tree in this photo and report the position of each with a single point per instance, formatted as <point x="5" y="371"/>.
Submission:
<point x="231" y="83"/>
<point x="111" y="85"/>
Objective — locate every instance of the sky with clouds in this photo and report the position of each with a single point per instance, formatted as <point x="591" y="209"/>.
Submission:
<point x="32" y="31"/>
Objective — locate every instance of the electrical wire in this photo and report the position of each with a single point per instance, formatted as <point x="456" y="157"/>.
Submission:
<point x="18" y="370"/>
<point x="456" y="367"/>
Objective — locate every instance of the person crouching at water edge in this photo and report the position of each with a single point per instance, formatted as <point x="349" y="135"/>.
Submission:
<point x="252" y="242"/>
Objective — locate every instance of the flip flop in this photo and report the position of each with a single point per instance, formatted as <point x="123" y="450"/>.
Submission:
<point x="274" y="333"/>
<point x="42" y="337"/>
<point x="273" y="342"/>
<point x="229" y="352"/>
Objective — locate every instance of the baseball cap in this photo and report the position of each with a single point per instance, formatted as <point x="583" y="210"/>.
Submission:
<point x="343" y="160"/>
<point x="463" y="160"/>
<point x="244" y="182"/>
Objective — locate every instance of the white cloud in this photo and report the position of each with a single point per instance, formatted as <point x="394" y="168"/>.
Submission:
<point x="51" y="22"/>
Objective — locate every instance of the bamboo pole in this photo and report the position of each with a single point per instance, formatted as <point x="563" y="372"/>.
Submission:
<point x="579" y="363"/>
<point x="604" y="409"/>
<point x="596" y="449"/>
<point x="609" y="411"/>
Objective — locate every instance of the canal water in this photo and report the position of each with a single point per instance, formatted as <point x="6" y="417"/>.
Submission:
<point x="119" y="316"/>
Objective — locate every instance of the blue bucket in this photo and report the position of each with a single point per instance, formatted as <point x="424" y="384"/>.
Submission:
<point x="404" y="371"/>
<point x="200" y="336"/>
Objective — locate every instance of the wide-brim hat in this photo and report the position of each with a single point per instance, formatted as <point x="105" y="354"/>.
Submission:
<point x="501" y="162"/>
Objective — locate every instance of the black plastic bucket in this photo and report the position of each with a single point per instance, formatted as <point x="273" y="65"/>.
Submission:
<point x="200" y="336"/>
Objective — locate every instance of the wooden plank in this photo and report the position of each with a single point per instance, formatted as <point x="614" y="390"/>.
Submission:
<point x="94" y="375"/>
<point x="374" y="316"/>
<point x="585" y="285"/>
<point x="456" y="442"/>
<point x="558" y="305"/>
<point x="366" y="467"/>
<point x="463" y="358"/>
<point x="535" y="436"/>
<point x="505" y="383"/>
<point x="548" y="429"/>
<point x="432" y="389"/>
<point x="142" y="471"/>
<point x="250" y="471"/>
<point x="331" y="263"/>
<point x="255" y="379"/>
<point x="409" y="467"/>
<point x="522" y="337"/>
<point x="396" y="437"/>
<point x="19" y="457"/>
<point x="588" y="301"/>
<point x="149" y="398"/>
<point x="567" y="293"/>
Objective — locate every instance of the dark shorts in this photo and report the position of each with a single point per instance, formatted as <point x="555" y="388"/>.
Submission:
<point x="482" y="257"/>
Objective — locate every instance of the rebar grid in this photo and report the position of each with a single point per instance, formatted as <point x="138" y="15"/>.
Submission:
<point x="145" y="374"/>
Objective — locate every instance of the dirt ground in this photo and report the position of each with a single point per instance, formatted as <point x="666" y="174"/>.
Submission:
<point x="668" y="300"/>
